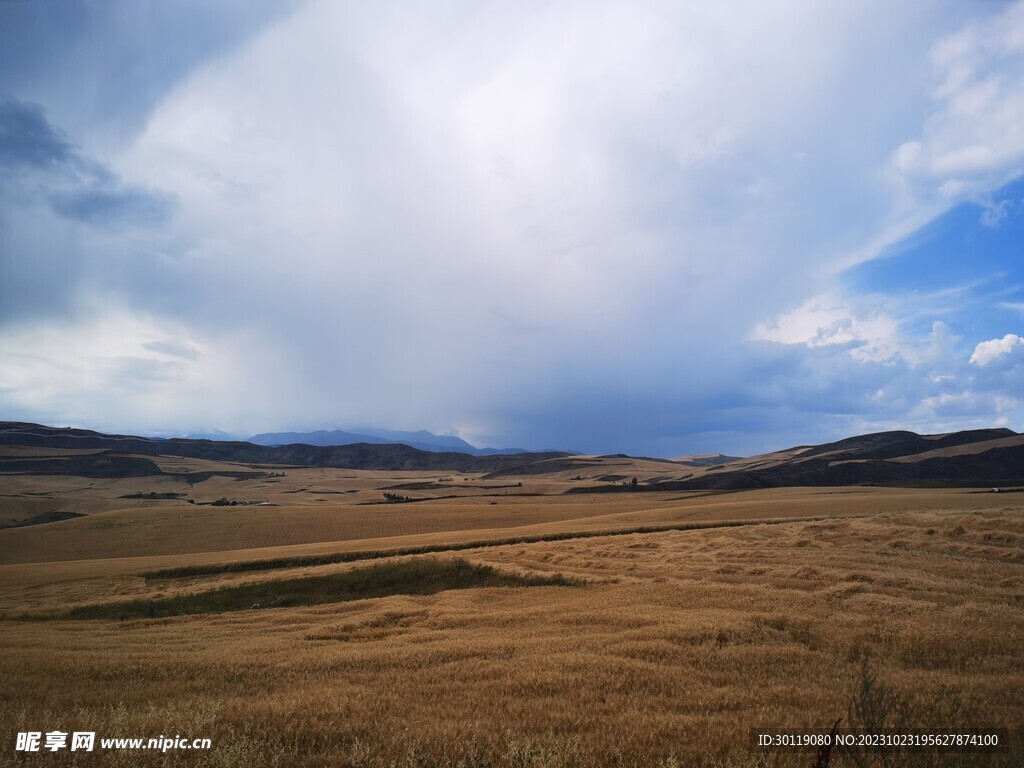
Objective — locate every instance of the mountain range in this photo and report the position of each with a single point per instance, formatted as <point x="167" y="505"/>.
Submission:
<point x="422" y="439"/>
<point x="970" y="458"/>
<point x="117" y="455"/>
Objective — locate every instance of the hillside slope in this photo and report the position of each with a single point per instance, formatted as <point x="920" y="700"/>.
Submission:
<point x="970" y="458"/>
<point x="356" y="456"/>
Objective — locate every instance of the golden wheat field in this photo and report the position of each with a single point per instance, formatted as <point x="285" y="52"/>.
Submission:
<point x="681" y="623"/>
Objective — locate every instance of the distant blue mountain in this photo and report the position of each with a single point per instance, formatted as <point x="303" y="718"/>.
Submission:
<point x="215" y="434"/>
<point x="422" y="439"/>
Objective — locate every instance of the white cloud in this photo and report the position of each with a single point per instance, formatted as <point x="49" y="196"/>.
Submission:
<point x="872" y="328"/>
<point x="987" y="351"/>
<point x="968" y="142"/>
<point x="994" y="213"/>
<point x="972" y="141"/>
<point x="866" y="356"/>
<point x="116" y="368"/>
<point x="951" y="407"/>
<point x="827" y="320"/>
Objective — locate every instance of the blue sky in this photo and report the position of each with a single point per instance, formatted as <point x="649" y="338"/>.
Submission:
<point x="975" y="248"/>
<point x="601" y="226"/>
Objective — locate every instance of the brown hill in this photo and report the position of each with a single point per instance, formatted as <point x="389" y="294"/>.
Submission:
<point x="986" y="457"/>
<point x="116" y="462"/>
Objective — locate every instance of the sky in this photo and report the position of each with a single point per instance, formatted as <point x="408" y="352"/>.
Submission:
<point x="655" y="228"/>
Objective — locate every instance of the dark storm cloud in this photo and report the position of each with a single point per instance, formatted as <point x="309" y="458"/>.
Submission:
<point x="51" y="188"/>
<point x="107" y="64"/>
<point x="117" y="204"/>
<point x="76" y="75"/>
<point x="27" y="140"/>
<point x="89" y="75"/>
<point x="41" y="157"/>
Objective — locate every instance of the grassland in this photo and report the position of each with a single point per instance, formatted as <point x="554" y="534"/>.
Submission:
<point x="673" y="646"/>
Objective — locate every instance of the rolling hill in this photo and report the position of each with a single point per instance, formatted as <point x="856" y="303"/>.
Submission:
<point x="980" y="457"/>
<point x="984" y="457"/>
<point x="120" y="454"/>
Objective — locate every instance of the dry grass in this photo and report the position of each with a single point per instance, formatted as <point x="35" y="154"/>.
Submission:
<point x="139" y="528"/>
<point x="680" y="643"/>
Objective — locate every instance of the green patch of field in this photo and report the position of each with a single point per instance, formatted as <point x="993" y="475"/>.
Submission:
<point x="425" y="576"/>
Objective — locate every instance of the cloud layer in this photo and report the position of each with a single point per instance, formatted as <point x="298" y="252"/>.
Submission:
<point x="599" y="226"/>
